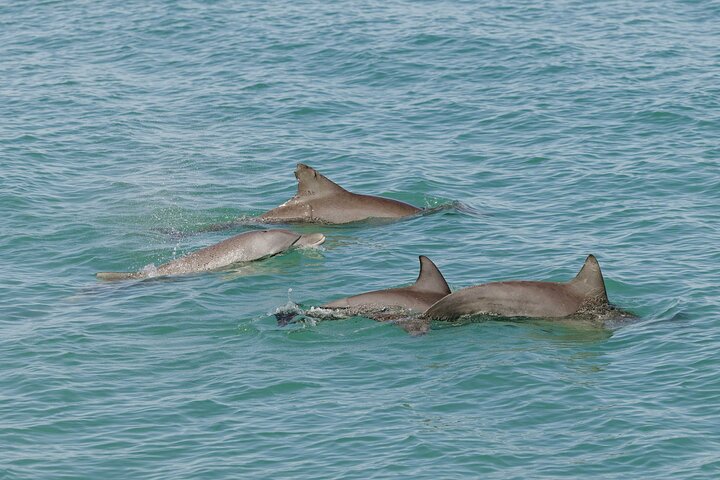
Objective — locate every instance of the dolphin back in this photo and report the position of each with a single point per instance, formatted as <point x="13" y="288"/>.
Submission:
<point x="429" y="287"/>
<point x="244" y="247"/>
<point x="320" y="200"/>
<point x="527" y="298"/>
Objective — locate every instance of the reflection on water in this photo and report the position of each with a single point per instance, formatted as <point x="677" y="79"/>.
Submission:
<point x="568" y="330"/>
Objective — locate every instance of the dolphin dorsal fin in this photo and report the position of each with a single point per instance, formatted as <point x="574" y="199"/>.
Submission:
<point x="589" y="280"/>
<point x="430" y="279"/>
<point x="313" y="183"/>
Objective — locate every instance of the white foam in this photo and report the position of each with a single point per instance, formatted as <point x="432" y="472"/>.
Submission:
<point x="150" y="270"/>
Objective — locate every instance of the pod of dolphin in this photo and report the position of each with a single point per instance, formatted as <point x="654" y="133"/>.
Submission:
<point x="320" y="200"/>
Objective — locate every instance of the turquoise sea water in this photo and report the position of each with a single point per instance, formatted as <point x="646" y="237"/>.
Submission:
<point x="562" y="128"/>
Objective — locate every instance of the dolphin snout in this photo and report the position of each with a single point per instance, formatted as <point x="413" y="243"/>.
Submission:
<point x="310" y="240"/>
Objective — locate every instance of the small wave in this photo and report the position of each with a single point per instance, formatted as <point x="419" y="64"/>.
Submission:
<point x="172" y="232"/>
<point x="432" y="207"/>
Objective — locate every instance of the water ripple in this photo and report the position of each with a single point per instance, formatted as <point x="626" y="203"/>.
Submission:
<point x="556" y="130"/>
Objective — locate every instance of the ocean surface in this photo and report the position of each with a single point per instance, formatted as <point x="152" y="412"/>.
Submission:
<point x="551" y="130"/>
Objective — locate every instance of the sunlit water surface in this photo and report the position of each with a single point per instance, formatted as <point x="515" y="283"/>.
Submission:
<point x="562" y="128"/>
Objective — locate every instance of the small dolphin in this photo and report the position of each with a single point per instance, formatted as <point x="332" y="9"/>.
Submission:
<point x="585" y="293"/>
<point x="320" y="200"/>
<point x="245" y="247"/>
<point x="429" y="287"/>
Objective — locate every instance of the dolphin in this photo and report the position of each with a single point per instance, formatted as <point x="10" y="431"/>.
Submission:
<point x="400" y="306"/>
<point x="429" y="287"/>
<point x="320" y="200"/>
<point x="244" y="247"/>
<point x="584" y="293"/>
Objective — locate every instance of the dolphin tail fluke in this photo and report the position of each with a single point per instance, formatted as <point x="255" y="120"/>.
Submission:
<point x="112" y="276"/>
<point x="430" y="279"/>
<point x="589" y="280"/>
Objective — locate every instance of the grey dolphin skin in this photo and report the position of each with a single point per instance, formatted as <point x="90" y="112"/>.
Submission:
<point x="320" y="200"/>
<point x="586" y="292"/>
<point x="429" y="287"/>
<point x="400" y="306"/>
<point x="244" y="247"/>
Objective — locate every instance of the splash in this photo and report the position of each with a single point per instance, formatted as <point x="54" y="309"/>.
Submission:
<point x="288" y="313"/>
<point x="149" y="270"/>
